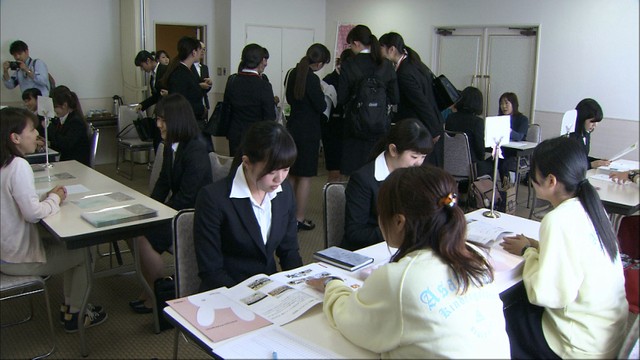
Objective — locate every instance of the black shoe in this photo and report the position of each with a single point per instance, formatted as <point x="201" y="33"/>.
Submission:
<point x="91" y="318"/>
<point x="64" y="309"/>
<point x="306" y="225"/>
<point x="139" y="307"/>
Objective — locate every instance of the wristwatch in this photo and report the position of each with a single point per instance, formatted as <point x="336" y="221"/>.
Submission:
<point x="524" y="249"/>
<point x="330" y="278"/>
<point x="632" y="175"/>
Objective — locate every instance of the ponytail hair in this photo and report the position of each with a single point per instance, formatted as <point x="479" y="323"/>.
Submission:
<point x="186" y="45"/>
<point x="62" y="94"/>
<point x="317" y="53"/>
<point x="426" y="196"/>
<point x="565" y="159"/>
<point x="363" y="34"/>
<point x="394" y="39"/>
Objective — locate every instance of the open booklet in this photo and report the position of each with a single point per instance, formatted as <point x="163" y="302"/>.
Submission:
<point x="484" y="233"/>
<point x="259" y="301"/>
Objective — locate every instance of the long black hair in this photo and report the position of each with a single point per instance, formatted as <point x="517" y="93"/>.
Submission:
<point x="587" y="109"/>
<point x="565" y="159"/>
<point x="406" y="134"/>
<point x="317" y="53"/>
<point x="394" y="39"/>
<point x="186" y="45"/>
<point x="363" y="34"/>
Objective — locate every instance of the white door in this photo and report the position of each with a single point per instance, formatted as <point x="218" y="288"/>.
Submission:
<point x="495" y="60"/>
<point x="286" y="47"/>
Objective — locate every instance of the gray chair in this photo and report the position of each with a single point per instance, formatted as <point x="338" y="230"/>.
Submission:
<point x="186" y="265"/>
<point x="220" y="165"/>
<point x="157" y="166"/>
<point x="457" y="159"/>
<point x="534" y="134"/>
<point x="334" y="203"/>
<point x="95" y="136"/>
<point x="12" y="287"/>
<point x="128" y="141"/>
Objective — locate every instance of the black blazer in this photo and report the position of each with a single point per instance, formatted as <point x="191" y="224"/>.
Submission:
<point x="417" y="99"/>
<point x="71" y="140"/>
<point x="204" y="73"/>
<point x="186" y="83"/>
<point x="585" y="142"/>
<point x="471" y="125"/>
<point x="155" y="90"/>
<point x="184" y="176"/>
<point x="251" y="100"/>
<point x="228" y="242"/>
<point x="361" y="217"/>
<point x="306" y="113"/>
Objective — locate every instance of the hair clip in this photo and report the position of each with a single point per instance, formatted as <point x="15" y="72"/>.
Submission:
<point x="450" y="200"/>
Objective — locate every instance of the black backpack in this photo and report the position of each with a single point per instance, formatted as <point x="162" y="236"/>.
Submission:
<point x="367" y="111"/>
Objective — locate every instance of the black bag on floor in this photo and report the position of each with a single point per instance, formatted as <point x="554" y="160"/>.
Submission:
<point x="164" y="289"/>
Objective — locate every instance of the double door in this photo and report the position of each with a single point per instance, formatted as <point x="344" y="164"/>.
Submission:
<point x="493" y="59"/>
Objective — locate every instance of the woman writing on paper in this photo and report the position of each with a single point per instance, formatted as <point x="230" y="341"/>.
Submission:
<point x="573" y="276"/>
<point x="23" y="251"/>
<point x="242" y="220"/>
<point x="589" y="115"/>
<point x="436" y="293"/>
<point x="407" y="144"/>
<point x="185" y="169"/>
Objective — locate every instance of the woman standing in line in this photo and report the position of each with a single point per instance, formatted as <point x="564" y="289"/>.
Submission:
<point x="23" y="251"/>
<point x="249" y="97"/>
<point x="575" y="304"/>
<point x="437" y="291"/>
<point x="367" y="62"/>
<point x="306" y="98"/>
<point x="407" y="144"/>
<point x="241" y="221"/>
<point x="415" y="83"/>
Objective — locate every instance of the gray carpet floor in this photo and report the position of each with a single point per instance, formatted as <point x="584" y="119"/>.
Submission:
<point x="126" y="335"/>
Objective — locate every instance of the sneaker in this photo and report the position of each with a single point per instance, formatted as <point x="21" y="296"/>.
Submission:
<point x="91" y="318"/>
<point x="64" y="309"/>
<point x="306" y="225"/>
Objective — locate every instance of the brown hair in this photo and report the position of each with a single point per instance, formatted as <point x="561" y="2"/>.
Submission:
<point x="416" y="193"/>
<point x="12" y="120"/>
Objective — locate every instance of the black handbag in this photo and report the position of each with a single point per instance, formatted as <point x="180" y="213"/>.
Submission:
<point x="145" y="127"/>
<point x="164" y="289"/>
<point x="445" y="93"/>
<point x="218" y="124"/>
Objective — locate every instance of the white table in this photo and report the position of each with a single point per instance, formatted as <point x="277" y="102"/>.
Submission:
<point x="68" y="226"/>
<point x="41" y="157"/>
<point x="313" y="326"/>
<point x="621" y="199"/>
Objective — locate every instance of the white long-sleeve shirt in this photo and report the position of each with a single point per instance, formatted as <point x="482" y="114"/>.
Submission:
<point x="410" y="309"/>
<point x="579" y="286"/>
<point x="21" y="209"/>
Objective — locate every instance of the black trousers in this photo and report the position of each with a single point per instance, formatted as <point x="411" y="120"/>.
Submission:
<point x="524" y="327"/>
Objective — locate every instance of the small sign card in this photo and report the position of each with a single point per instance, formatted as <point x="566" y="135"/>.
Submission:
<point x="497" y="129"/>
<point x="568" y="122"/>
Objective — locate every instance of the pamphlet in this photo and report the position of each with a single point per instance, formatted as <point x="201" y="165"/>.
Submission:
<point x="483" y="233"/>
<point x="118" y="215"/>
<point x="101" y="200"/>
<point x="624" y="152"/>
<point x="54" y="177"/>
<point x="343" y="258"/>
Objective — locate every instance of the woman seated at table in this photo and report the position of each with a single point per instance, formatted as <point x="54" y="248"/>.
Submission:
<point x="573" y="277"/>
<point x="23" y="251"/>
<point x="588" y="117"/>
<point x="435" y="299"/>
<point x="407" y="144"/>
<point x="68" y="132"/>
<point x="185" y="169"/>
<point x="241" y="220"/>
<point x="466" y="120"/>
<point x="508" y="105"/>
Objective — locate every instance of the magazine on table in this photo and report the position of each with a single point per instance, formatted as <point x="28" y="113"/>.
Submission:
<point x="342" y="258"/>
<point x="259" y="301"/>
<point x="118" y="214"/>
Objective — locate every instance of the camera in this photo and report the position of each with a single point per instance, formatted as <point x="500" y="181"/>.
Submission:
<point x="14" y="65"/>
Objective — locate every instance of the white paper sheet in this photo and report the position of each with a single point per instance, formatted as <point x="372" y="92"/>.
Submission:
<point x="624" y="152"/>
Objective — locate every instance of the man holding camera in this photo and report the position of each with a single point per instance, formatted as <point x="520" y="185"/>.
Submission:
<point x="28" y="72"/>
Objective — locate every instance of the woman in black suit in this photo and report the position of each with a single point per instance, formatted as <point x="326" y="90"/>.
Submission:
<point x="367" y="62"/>
<point x="306" y="98"/>
<point x="407" y="144"/>
<point x="241" y="220"/>
<point x="248" y="95"/>
<point x="185" y="169"/>
<point x="589" y="115"/>
<point x="466" y="120"/>
<point x="68" y="132"/>
<point x="415" y="83"/>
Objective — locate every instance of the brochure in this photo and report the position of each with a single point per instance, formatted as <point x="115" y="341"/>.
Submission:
<point x="624" y="152"/>
<point x="101" y="200"/>
<point x="343" y="258"/>
<point x="484" y="233"/>
<point x="118" y="215"/>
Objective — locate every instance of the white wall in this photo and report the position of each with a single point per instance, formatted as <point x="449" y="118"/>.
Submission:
<point x="78" y="39"/>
